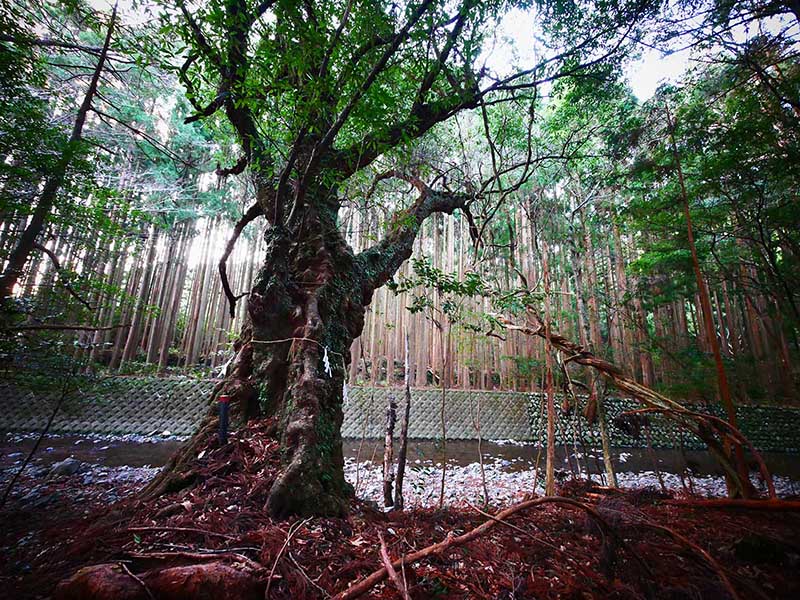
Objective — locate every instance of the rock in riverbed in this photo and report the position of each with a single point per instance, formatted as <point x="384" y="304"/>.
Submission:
<point x="68" y="466"/>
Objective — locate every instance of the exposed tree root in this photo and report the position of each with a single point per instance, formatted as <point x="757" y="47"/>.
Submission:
<point x="450" y="541"/>
<point x="618" y="550"/>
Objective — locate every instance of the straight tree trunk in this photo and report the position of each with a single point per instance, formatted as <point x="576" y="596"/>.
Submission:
<point x="707" y="316"/>
<point x="403" y="451"/>
<point x="550" y="480"/>
<point x="388" y="452"/>
<point x="134" y="333"/>
<point x="174" y="306"/>
<point x="26" y="243"/>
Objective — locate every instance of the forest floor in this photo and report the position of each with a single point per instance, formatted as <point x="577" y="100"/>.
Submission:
<point x="635" y="543"/>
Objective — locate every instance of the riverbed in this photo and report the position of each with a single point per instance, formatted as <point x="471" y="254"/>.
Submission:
<point x="510" y="469"/>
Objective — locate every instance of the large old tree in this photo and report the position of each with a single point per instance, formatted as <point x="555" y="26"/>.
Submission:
<point x="316" y="92"/>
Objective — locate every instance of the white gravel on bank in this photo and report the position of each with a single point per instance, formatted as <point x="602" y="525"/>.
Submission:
<point x="463" y="483"/>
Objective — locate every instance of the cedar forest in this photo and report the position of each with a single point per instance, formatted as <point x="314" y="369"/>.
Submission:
<point x="294" y="199"/>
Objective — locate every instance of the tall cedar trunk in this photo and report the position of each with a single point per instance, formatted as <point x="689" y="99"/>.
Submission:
<point x="132" y="342"/>
<point x="388" y="453"/>
<point x="707" y="317"/>
<point x="174" y="306"/>
<point x="26" y="243"/>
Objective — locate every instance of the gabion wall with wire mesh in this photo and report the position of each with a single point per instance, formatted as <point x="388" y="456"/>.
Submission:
<point x="769" y="428"/>
<point x="174" y="406"/>
<point x="114" y="405"/>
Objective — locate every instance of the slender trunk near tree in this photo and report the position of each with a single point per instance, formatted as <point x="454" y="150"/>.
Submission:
<point x="479" y="435"/>
<point x="605" y="442"/>
<point x="164" y="290"/>
<point x="550" y="481"/>
<point x="622" y="290"/>
<point x="196" y="300"/>
<point x="705" y="302"/>
<point x="210" y="280"/>
<point x="388" y="452"/>
<point x="613" y="316"/>
<point x="108" y="312"/>
<point x="443" y="408"/>
<point x="44" y="292"/>
<point x="645" y="359"/>
<point x="403" y="451"/>
<point x="731" y="320"/>
<point x="784" y="363"/>
<point x="29" y="287"/>
<point x="26" y="243"/>
<point x="725" y="346"/>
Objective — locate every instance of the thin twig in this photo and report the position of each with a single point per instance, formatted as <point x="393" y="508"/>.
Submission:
<point x="184" y="529"/>
<point x="138" y="580"/>
<point x="387" y="563"/>
<point x="306" y="577"/>
<point x="512" y="526"/>
<point x="292" y="530"/>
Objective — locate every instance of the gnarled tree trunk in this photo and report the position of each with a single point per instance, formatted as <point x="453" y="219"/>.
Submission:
<point x="306" y="307"/>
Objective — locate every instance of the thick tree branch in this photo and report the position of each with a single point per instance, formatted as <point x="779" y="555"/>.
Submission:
<point x="327" y="140"/>
<point x="376" y="42"/>
<point x="421" y="119"/>
<point x="441" y="59"/>
<point x="212" y="107"/>
<point x="199" y="37"/>
<point x="382" y="260"/>
<point x="236" y="169"/>
<point x="252" y="214"/>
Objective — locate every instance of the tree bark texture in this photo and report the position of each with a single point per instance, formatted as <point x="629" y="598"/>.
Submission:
<point x="306" y="307"/>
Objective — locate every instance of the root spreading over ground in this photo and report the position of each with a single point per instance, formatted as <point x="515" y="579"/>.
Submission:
<point x="215" y="539"/>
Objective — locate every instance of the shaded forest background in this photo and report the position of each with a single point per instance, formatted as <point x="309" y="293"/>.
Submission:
<point x="133" y="244"/>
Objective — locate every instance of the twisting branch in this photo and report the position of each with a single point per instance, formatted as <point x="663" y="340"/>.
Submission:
<point x="212" y="107"/>
<point x="252" y="214"/>
<point x="383" y="259"/>
<point x="710" y="430"/>
<point x="60" y="270"/>
<point x="236" y="169"/>
<point x="394" y="173"/>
